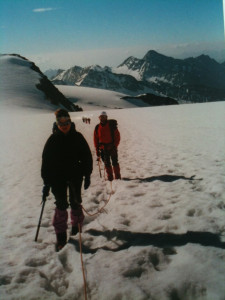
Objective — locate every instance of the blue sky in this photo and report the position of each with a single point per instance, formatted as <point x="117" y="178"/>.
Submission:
<point x="63" y="33"/>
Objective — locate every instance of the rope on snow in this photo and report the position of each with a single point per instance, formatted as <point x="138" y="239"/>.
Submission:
<point x="101" y="210"/>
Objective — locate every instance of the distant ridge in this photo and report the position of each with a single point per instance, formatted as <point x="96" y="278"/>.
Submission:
<point x="199" y="79"/>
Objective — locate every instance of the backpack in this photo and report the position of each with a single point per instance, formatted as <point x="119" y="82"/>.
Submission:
<point x="112" y="125"/>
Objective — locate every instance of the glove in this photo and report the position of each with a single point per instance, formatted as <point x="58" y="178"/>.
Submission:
<point x="87" y="182"/>
<point x="45" y="190"/>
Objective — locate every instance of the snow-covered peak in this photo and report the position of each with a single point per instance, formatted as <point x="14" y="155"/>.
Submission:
<point x="18" y="83"/>
<point x="96" y="68"/>
<point x="50" y="73"/>
<point x="129" y="62"/>
<point x="23" y="85"/>
<point x="14" y="60"/>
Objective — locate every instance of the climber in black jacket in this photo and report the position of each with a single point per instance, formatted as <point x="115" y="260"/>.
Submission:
<point x="66" y="159"/>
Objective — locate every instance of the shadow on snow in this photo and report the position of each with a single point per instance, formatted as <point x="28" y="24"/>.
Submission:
<point x="165" y="178"/>
<point x="125" y="239"/>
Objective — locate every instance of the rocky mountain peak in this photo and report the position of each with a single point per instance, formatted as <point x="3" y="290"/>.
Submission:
<point x="153" y="55"/>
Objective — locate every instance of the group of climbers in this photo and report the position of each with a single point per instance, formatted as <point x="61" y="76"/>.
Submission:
<point x="67" y="161"/>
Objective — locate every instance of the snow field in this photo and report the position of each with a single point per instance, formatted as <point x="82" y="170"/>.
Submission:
<point x="172" y="165"/>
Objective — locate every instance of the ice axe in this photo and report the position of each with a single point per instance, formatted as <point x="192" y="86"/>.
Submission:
<point x="44" y="196"/>
<point x="99" y="167"/>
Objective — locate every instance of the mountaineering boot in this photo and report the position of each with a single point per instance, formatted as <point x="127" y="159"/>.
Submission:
<point x="61" y="240"/>
<point x="116" y="170"/>
<point x="74" y="230"/>
<point x="77" y="217"/>
<point x="109" y="173"/>
<point x="60" y="224"/>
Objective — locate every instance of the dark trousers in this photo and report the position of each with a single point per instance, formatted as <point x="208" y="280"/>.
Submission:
<point x="60" y="190"/>
<point x="109" y="155"/>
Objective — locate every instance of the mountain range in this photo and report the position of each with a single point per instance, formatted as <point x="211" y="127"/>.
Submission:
<point x="199" y="79"/>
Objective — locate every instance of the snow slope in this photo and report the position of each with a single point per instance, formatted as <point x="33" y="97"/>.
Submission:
<point x="162" y="234"/>
<point x="95" y="99"/>
<point x="18" y="85"/>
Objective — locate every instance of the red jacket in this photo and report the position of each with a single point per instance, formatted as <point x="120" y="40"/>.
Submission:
<point x="103" y="136"/>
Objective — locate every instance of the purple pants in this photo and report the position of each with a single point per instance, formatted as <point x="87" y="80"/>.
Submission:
<point x="60" y="219"/>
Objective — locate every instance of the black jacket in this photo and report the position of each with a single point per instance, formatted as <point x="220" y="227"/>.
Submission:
<point x="65" y="157"/>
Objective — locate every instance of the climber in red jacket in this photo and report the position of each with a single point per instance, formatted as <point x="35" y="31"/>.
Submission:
<point x="106" y="141"/>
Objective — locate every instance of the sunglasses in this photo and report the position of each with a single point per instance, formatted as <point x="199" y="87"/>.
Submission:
<point x="61" y="124"/>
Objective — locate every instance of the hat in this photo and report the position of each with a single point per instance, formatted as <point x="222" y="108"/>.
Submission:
<point x="61" y="113"/>
<point x="103" y="113"/>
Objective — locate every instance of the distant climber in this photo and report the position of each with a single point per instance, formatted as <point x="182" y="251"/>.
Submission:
<point x="106" y="141"/>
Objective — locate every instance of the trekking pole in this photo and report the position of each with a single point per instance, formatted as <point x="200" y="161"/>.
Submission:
<point x="39" y="223"/>
<point x="99" y="167"/>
